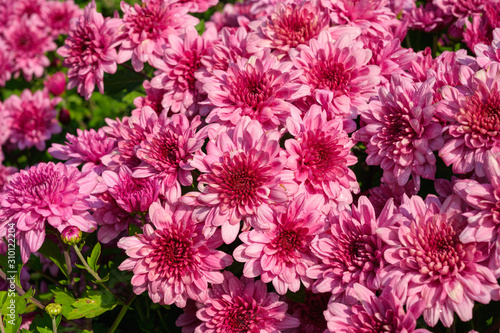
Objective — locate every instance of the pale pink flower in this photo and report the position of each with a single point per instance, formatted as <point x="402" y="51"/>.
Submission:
<point x="28" y="41"/>
<point x="290" y="25"/>
<point x="282" y="254"/>
<point x="424" y="250"/>
<point x="50" y="193"/>
<point x="400" y="132"/>
<point x="351" y="252"/>
<point x="243" y="305"/>
<point x="32" y="119"/>
<point x="484" y="218"/>
<point x="146" y="29"/>
<point x="176" y="71"/>
<point x="167" y="151"/>
<point x="471" y="111"/>
<point x="243" y="177"/>
<point x="172" y="260"/>
<point x="320" y="156"/>
<point x="194" y="6"/>
<point x="89" y="51"/>
<point x="486" y="54"/>
<point x="383" y="313"/>
<point x="477" y="31"/>
<point x="87" y="147"/>
<point x="262" y="88"/>
<point x="309" y="312"/>
<point x="340" y="69"/>
<point x="58" y="15"/>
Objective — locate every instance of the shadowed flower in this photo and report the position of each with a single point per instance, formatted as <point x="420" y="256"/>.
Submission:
<point x="32" y="119"/>
<point x="243" y="305"/>
<point x="424" y="250"/>
<point x="87" y="147"/>
<point x="282" y="254"/>
<point x="173" y="261"/>
<point x="401" y="133"/>
<point x="6" y="64"/>
<point x="52" y="193"/>
<point x="89" y="51"/>
<point x="310" y="313"/>
<point x="473" y="113"/>
<point x="153" y="99"/>
<point x="146" y="28"/>
<point x="58" y="15"/>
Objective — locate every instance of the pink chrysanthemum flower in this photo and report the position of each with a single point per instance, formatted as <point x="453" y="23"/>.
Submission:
<point x="484" y="218"/>
<point x="310" y="313"/>
<point x="89" y="50"/>
<point x="243" y="177"/>
<point x="28" y="8"/>
<point x="351" y="252"/>
<point x="400" y="132"/>
<point x="340" y="68"/>
<point x="381" y="194"/>
<point x="462" y="9"/>
<point x="320" y="155"/>
<point x="290" y="25"/>
<point x="32" y="119"/>
<point x="173" y="261"/>
<point x="52" y="193"/>
<point x="6" y="173"/>
<point x="153" y="99"/>
<point x="195" y="6"/>
<point x="6" y="64"/>
<point x="28" y="41"/>
<point x="486" y="54"/>
<point x="176" y="70"/>
<point x="56" y="83"/>
<point x="235" y="15"/>
<point x="243" y="305"/>
<point x="281" y="255"/>
<point x="384" y="313"/>
<point x="188" y="320"/>
<point x="424" y="250"/>
<point x="87" y="147"/>
<point x="261" y="88"/>
<point x="4" y="128"/>
<point x="429" y="18"/>
<point x="58" y="15"/>
<point x="473" y="113"/>
<point x="167" y="151"/>
<point x="146" y="28"/>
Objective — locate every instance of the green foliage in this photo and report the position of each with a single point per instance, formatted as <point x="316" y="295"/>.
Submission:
<point x="92" y="304"/>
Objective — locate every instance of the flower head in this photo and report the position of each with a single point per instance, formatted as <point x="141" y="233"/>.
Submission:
<point x="243" y="305"/>
<point x="58" y="15"/>
<point x="32" y="119"/>
<point x="52" y="193"/>
<point x="56" y="83"/>
<point x="89" y="51"/>
<point x="172" y="260"/>
<point x="71" y="235"/>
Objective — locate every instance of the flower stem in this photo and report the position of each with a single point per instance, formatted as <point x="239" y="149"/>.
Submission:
<point x="21" y="292"/>
<point x="2" y="329"/>
<point x="54" y="325"/>
<point x="124" y="310"/>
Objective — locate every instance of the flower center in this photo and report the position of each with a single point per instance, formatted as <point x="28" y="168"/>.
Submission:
<point x="172" y="254"/>
<point x="251" y="91"/>
<point x="240" y="317"/>
<point x="330" y="75"/>
<point x="165" y="155"/>
<point x="373" y="323"/>
<point x="482" y="117"/>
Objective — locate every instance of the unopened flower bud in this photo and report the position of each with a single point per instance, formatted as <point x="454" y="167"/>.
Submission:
<point x="56" y="83"/>
<point x="71" y="235"/>
<point x="53" y="309"/>
<point x="64" y="116"/>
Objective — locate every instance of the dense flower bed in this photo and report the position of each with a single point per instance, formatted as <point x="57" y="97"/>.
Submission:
<point x="283" y="166"/>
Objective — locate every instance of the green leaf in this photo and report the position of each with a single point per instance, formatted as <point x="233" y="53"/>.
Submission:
<point x="12" y="326"/>
<point x="123" y="79"/>
<point x="298" y="296"/>
<point x="44" y="329"/>
<point x="64" y="298"/>
<point x="51" y="251"/>
<point x="92" y="306"/>
<point x="94" y="256"/>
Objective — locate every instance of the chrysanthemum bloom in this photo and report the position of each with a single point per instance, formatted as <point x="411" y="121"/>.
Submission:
<point x="194" y="6"/>
<point x="176" y="70"/>
<point x="282" y="254"/>
<point x="188" y="320"/>
<point x="6" y="64"/>
<point x="243" y="305"/>
<point x="429" y="18"/>
<point x="87" y="147"/>
<point x="134" y="195"/>
<point x="381" y="194"/>
<point x="400" y="132"/>
<point x="173" y="261"/>
<point x="484" y="218"/>
<point x="261" y="88"/>
<point x="235" y="15"/>
<point x="4" y="128"/>
<point x="462" y="9"/>
<point x="477" y="31"/>
<point x="424" y="249"/>
<point x="32" y="119"/>
<point x="153" y="99"/>
<point x="486" y="54"/>
<point x="288" y="26"/>
<point x="384" y="313"/>
<point x="89" y="51"/>
<point x="28" y="8"/>
<point x="58" y="15"/>
<point x="341" y="69"/>
<point x="473" y="114"/>
<point x="167" y="151"/>
<point x="243" y="177"/>
<point x="6" y="173"/>
<point x="320" y="155"/>
<point x="146" y="28"/>
<point x="310" y="313"/>
<point x="28" y="41"/>
<point x="56" y="83"/>
<point x="54" y="193"/>
<point x="351" y="252"/>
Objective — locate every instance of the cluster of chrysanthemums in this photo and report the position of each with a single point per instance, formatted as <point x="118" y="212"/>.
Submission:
<point x="246" y="135"/>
